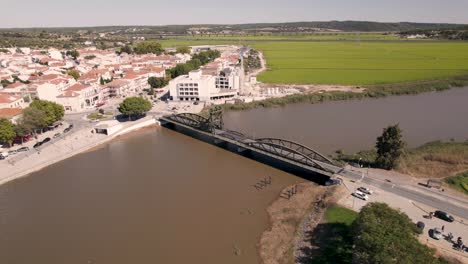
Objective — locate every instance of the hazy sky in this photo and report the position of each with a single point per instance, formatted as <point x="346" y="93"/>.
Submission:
<point x="48" y="13"/>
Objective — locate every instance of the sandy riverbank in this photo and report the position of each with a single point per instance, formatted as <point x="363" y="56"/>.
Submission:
<point x="77" y="143"/>
<point x="291" y="218"/>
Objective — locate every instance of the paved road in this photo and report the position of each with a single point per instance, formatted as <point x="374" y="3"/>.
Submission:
<point x="431" y="199"/>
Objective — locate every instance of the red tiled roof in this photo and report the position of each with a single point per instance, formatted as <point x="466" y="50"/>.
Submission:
<point x="8" y="98"/>
<point x="10" y="112"/>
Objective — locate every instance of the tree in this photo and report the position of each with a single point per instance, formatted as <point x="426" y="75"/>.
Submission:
<point x="73" y="53"/>
<point x="384" y="235"/>
<point x="7" y="132"/>
<point x="134" y="106"/>
<point x="184" y="50"/>
<point x="148" y="47"/>
<point x="53" y="111"/>
<point x="156" y="82"/>
<point x="33" y="119"/>
<point x="126" y="49"/>
<point x="389" y="147"/>
<point x="74" y="73"/>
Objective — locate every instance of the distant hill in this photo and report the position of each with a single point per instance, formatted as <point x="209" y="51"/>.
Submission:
<point x="347" y="26"/>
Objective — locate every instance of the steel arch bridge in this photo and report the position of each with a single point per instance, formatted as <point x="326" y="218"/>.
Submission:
<point x="275" y="147"/>
<point x="292" y="151"/>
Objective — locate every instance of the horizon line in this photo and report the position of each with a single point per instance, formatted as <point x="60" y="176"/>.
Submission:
<point x="230" y="24"/>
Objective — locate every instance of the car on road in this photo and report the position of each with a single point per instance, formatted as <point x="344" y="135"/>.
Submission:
<point x="436" y="233"/>
<point x="57" y="135"/>
<point x="47" y="139"/>
<point x="361" y="195"/>
<point x="4" y="155"/>
<point x="444" y="216"/>
<point x="38" y="144"/>
<point x="23" y="149"/>
<point x="12" y="152"/>
<point x="365" y="190"/>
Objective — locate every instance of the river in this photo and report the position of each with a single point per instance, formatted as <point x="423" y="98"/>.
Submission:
<point x="355" y="124"/>
<point x="158" y="196"/>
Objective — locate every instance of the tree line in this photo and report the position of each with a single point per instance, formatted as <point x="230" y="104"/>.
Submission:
<point x="36" y="117"/>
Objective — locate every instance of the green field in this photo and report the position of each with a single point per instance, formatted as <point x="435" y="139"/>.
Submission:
<point x="362" y="63"/>
<point x="339" y="59"/>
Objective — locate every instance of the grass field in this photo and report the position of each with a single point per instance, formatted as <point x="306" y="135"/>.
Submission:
<point x="366" y="63"/>
<point x="339" y="59"/>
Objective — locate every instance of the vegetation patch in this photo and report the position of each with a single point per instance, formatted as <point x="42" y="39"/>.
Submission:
<point x="378" y="234"/>
<point x="337" y="214"/>
<point x="376" y="91"/>
<point x="459" y="182"/>
<point x="435" y="159"/>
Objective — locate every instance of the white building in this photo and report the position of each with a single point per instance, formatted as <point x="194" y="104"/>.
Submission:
<point x="80" y="97"/>
<point x="198" y="87"/>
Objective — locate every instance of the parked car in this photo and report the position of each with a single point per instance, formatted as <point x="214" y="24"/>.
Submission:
<point x="1" y="157"/>
<point x="436" y="234"/>
<point x="66" y="130"/>
<point x="38" y="144"/>
<point x="361" y="195"/>
<point x="365" y="190"/>
<point x="12" y="152"/>
<point x="57" y="135"/>
<point x="47" y="139"/>
<point x="420" y="225"/>
<point x="4" y="155"/>
<point x="444" y="216"/>
<point x="23" y="149"/>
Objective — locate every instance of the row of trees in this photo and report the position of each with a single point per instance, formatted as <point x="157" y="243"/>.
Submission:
<point x="197" y="60"/>
<point x="144" y="47"/>
<point x="39" y="115"/>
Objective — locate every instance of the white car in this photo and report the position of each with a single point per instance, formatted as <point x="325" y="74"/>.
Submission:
<point x="437" y="233"/>
<point x="365" y="190"/>
<point x="361" y="195"/>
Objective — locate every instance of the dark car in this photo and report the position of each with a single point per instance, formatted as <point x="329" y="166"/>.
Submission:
<point x="38" y="144"/>
<point x="444" y="216"/>
<point x="23" y="149"/>
<point x="66" y="130"/>
<point x="47" y="139"/>
<point x="57" y="135"/>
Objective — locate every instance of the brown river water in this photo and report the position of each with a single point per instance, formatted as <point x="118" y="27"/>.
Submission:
<point x="354" y="125"/>
<point x="158" y="196"/>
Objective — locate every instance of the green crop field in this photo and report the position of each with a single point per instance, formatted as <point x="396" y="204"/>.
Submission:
<point x="339" y="59"/>
<point x="361" y="63"/>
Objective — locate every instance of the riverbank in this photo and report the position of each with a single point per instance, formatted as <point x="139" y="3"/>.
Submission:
<point x="70" y="145"/>
<point x="314" y="96"/>
<point x="433" y="160"/>
<point x="290" y="220"/>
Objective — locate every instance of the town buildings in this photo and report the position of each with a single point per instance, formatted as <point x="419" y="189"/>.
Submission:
<point x="100" y="75"/>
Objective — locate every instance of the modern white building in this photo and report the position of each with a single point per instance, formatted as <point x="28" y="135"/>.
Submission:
<point x="199" y="87"/>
